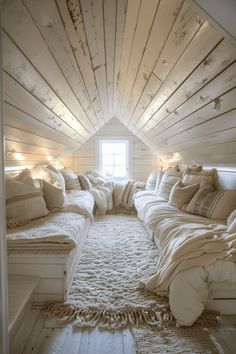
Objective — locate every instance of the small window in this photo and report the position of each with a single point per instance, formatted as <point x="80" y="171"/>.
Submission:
<point x="114" y="159"/>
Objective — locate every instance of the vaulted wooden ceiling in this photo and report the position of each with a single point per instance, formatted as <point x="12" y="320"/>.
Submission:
<point x="156" y="65"/>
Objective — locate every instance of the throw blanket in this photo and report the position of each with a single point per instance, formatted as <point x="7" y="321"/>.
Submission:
<point x="186" y="244"/>
<point x="60" y="230"/>
<point x="109" y="194"/>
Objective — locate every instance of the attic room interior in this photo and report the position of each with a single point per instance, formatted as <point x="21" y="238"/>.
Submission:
<point x="118" y="177"/>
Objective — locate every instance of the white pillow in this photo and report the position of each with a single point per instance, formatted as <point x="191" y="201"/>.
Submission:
<point x="151" y="181"/>
<point x="202" y="178"/>
<point x="181" y="194"/>
<point x="54" y="195"/>
<point x="167" y="182"/>
<point x="71" y="180"/>
<point x="158" y="180"/>
<point x="24" y="203"/>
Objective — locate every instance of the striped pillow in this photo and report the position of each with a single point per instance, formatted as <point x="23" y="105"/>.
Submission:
<point x="151" y="181"/>
<point x="71" y="180"/>
<point x="167" y="182"/>
<point x="85" y="183"/>
<point x="211" y="203"/>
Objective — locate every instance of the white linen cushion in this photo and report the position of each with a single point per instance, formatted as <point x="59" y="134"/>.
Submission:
<point x="202" y="178"/>
<point x="81" y="202"/>
<point x="54" y="195"/>
<point x="181" y="194"/>
<point x="158" y="180"/>
<point x="213" y="204"/>
<point x="151" y="181"/>
<point x="71" y="180"/>
<point x="167" y="182"/>
<point x="57" y="176"/>
<point x="24" y="203"/>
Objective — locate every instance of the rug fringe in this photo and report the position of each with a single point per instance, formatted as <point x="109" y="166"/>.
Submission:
<point x="158" y="316"/>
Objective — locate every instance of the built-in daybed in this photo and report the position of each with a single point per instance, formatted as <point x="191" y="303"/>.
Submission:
<point x="197" y="267"/>
<point x="47" y="225"/>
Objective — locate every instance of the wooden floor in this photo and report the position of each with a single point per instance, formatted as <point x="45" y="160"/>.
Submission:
<point x="48" y="337"/>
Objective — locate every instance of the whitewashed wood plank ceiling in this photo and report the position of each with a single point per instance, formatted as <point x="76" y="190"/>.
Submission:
<point x="156" y="65"/>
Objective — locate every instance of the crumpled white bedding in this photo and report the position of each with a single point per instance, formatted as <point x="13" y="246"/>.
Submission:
<point x="55" y="231"/>
<point x="81" y="202"/>
<point x="191" y="255"/>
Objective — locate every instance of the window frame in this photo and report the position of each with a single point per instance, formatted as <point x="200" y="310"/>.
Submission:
<point x="128" y="154"/>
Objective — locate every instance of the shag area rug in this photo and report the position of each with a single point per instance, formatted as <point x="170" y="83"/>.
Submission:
<point x="118" y="252"/>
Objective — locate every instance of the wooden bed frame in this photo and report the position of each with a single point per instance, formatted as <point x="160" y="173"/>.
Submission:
<point x="55" y="268"/>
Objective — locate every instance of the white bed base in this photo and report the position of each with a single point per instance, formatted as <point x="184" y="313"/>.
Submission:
<point x="55" y="268"/>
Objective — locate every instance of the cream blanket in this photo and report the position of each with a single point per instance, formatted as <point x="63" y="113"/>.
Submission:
<point x="187" y="241"/>
<point x="109" y="194"/>
<point x="59" y="230"/>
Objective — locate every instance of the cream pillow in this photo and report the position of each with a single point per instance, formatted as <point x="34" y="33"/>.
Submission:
<point x="57" y="176"/>
<point x="151" y="181"/>
<point x="54" y="195"/>
<point x="71" y="180"/>
<point x="213" y="204"/>
<point x="167" y="182"/>
<point x="231" y="222"/>
<point x="24" y="202"/>
<point x="158" y="180"/>
<point x="202" y="178"/>
<point x="181" y="194"/>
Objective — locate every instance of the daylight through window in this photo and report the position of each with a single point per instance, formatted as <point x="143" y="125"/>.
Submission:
<point x="114" y="158"/>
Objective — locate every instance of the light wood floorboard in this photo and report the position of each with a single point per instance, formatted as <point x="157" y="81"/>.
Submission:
<point x="48" y="337"/>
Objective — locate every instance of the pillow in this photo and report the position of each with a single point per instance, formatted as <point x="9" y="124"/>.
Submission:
<point x="24" y="202"/>
<point x="54" y="195"/>
<point x="181" y="194"/>
<point x="167" y="182"/>
<point x="204" y="177"/>
<point x="231" y="222"/>
<point x="71" y="180"/>
<point x="158" y="180"/>
<point x="211" y="203"/>
<point x="25" y="177"/>
<point x="41" y="172"/>
<point x="151" y="181"/>
<point x="57" y="177"/>
<point x="85" y="183"/>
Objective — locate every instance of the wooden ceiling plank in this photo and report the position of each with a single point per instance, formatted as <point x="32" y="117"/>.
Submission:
<point x="149" y="92"/>
<point x="225" y="131"/>
<point x="94" y="26"/>
<point x="201" y="45"/>
<point x="21" y="136"/>
<point x="72" y="19"/>
<point x="109" y="8"/>
<point x="22" y="99"/>
<point x="129" y="32"/>
<point x="16" y="64"/>
<point x="145" y="20"/>
<point x="163" y="22"/>
<point x="23" y="121"/>
<point x="218" y="60"/>
<point x="220" y="84"/>
<point x="29" y="40"/>
<point x="187" y="24"/>
<point x="45" y="15"/>
<point x="121" y="11"/>
<point x="218" y="106"/>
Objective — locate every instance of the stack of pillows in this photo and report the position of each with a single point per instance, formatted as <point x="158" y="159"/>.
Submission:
<point x="193" y="191"/>
<point x="36" y="192"/>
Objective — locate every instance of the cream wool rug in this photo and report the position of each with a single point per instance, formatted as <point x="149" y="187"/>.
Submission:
<point x="117" y="254"/>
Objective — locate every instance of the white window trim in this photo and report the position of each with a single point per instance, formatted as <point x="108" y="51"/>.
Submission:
<point x="129" y="153"/>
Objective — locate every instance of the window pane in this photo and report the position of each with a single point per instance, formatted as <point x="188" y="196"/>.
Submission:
<point x="120" y="159"/>
<point x="108" y="170"/>
<point x="119" y="148"/>
<point x="107" y="159"/>
<point x="120" y="171"/>
<point x="107" y="148"/>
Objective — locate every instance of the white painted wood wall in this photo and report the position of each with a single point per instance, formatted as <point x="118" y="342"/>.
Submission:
<point x="143" y="159"/>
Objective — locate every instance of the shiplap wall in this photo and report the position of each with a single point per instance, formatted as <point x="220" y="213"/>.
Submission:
<point x="143" y="159"/>
<point x="158" y="66"/>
